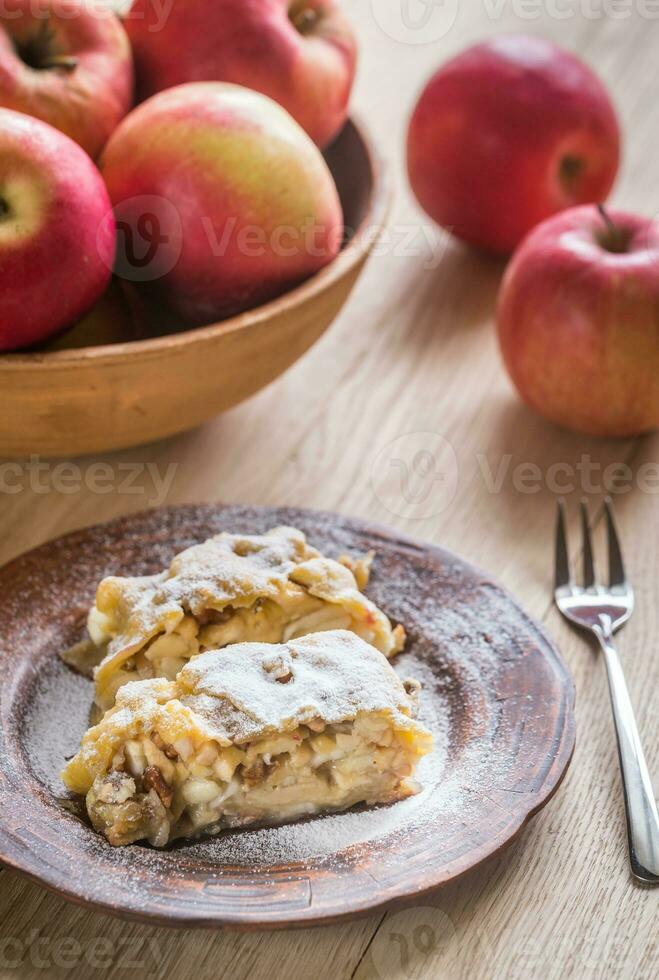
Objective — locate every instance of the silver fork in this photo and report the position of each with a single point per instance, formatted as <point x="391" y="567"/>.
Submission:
<point x="603" y="610"/>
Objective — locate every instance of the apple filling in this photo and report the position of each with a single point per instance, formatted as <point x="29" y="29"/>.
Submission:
<point x="251" y="733"/>
<point x="266" y="621"/>
<point x="230" y="589"/>
<point x="158" y="791"/>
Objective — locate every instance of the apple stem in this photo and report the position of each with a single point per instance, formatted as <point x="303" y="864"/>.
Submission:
<point x="608" y="221"/>
<point x="4" y="208"/>
<point x="39" y="51"/>
<point x="61" y="61"/>
<point x="304" y="19"/>
<point x="615" y="239"/>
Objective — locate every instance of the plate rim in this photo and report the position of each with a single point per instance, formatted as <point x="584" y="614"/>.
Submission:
<point x="183" y="917"/>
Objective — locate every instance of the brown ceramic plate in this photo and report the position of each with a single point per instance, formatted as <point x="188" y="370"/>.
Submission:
<point x="496" y="694"/>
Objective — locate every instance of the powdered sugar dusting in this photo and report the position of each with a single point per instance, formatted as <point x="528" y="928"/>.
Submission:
<point x="226" y="572"/>
<point x="333" y="834"/>
<point x="332" y="675"/>
<point x="494" y="693"/>
<point x="226" y="569"/>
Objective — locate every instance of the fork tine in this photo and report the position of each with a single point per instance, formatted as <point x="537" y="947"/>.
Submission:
<point x="588" y="563"/>
<point x="561" y="559"/>
<point x="616" y="565"/>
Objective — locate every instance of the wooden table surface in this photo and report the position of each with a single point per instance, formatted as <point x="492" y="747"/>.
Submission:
<point x="410" y="367"/>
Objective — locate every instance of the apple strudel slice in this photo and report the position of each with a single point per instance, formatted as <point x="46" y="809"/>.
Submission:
<point x="231" y="589"/>
<point x="252" y="733"/>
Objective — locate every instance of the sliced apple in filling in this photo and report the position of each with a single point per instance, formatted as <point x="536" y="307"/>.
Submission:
<point x="230" y="589"/>
<point x="252" y="733"/>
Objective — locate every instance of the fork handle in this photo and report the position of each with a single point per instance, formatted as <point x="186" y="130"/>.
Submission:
<point x="640" y="804"/>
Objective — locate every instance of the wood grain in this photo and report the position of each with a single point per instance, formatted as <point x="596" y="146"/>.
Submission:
<point x="414" y="351"/>
<point x="100" y="398"/>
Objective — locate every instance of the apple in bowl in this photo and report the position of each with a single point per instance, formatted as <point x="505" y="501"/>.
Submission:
<point x="222" y="202"/>
<point x="301" y="53"/>
<point x="67" y="62"/>
<point x="578" y="321"/>
<point x="109" y="321"/>
<point x="506" y="134"/>
<point x="56" y="244"/>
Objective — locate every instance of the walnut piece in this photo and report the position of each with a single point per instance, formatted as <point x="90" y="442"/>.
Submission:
<point x="153" y="779"/>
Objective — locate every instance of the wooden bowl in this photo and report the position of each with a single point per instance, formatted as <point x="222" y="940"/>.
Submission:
<point x="94" y="399"/>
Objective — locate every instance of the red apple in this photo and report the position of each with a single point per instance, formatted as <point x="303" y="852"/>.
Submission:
<point x="505" y="135"/>
<point x="56" y="251"/>
<point x="578" y="321"/>
<point x="222" y="201"/>
<point x="301" y="53"/>
<point x="107" y="322"/>
<point x="67" y="62"/>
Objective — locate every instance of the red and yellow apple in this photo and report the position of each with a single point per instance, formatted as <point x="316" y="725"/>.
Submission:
<point x="578" y="321"/>
<point x="506" y="134"/>
<point x="221" y="200"/>
<point x="56" y="249"/>
<point x="301" y="53"/>
<point x="107" y="322"/>
<point x="67" y="62"/>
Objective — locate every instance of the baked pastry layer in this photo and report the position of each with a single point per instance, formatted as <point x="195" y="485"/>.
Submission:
<point x="230" y="589"/>
<point x="251" y="733"/>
